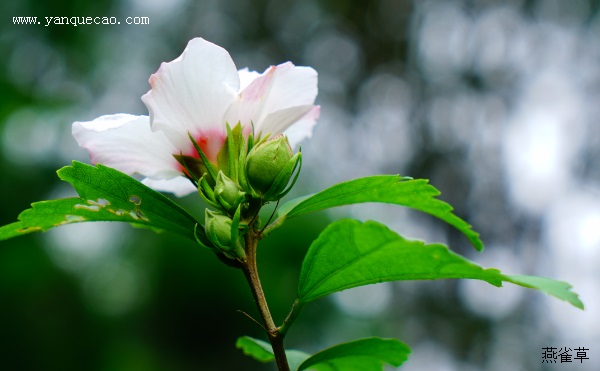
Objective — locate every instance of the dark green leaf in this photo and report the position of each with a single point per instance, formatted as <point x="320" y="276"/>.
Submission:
<point x="392" y="189"/>
<point x="262" y="351"/>
<point x="349" y="253"/>
<point x="105" y="195"/>
<point x="368" y="354"/>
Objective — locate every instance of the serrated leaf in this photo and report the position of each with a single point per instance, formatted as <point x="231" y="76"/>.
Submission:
<point x="105" y="195"/>
<point x="559" y="289"/>
<point x="262" y="352"/>
<point x="349" y="253"/>
<point x="392" y="189"/>
<point x="368" y="354"/>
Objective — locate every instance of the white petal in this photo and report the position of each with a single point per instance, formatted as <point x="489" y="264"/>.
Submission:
<point x="302" y="129"/>
<point x="281" y="121"/>
<point x="179" y="186"/>
<point x="126" y="143"/>
<point x="246" y="77"/>
<point x="191" y="95"/>
<point x="276" y="99"/>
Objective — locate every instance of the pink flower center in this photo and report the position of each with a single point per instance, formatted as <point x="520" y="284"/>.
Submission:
<point x="210" y="143"/>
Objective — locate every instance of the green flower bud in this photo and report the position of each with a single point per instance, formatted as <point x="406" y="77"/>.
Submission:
<point x="269" y="167"/>
<point x="218" y="229"/>
<point x="223" y="232"/>
<point x="228" y="193"/>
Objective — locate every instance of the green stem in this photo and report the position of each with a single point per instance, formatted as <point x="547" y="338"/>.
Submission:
<point x="251" y="273"/>
<point x="294" y="313"/>
<point x="271" y="227"/>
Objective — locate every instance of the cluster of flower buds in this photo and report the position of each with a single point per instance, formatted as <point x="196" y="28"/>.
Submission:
<point x="248" y="174"/>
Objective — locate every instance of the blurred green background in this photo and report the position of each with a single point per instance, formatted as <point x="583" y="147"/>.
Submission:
<point x="495" y="101"/>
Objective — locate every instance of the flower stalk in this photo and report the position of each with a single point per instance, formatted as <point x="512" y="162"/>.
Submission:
<point x="251" y="272"/>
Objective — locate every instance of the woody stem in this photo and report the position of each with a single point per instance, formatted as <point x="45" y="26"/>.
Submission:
<point x="251" y="273"/>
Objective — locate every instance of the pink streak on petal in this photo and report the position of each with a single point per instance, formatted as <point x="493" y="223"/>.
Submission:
<point x="275" y="100"/>
<point x="256" y="90"/>
<point x="248" y="108"/>
<point x="153" y="78"/>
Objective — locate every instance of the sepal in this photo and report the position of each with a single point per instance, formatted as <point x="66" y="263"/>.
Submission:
<point x="207" y="193"/>
<point x="228" y="156"/>
<point x="210" y="169"/>
<point x="283" y="179"/>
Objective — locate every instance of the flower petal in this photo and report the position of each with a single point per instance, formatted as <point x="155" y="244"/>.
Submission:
<point x="126" y="143"/>
<point x="286" y="91"/>
<point x="246" y="77"/>
<point x="179" y="186"/>
<point x="302" y="128"/>
<point x="191" y="95"/>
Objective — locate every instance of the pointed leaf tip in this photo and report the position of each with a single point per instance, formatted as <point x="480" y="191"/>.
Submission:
<point x="558" y="289"/>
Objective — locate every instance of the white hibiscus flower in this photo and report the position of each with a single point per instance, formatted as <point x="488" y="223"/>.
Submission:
<point x="199" y="93"/>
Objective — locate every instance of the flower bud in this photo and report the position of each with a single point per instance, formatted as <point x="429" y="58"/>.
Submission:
<point x="269" y="167"/>
<point x="223" y="232"/>
<point x="228" y="193"/>
<point x="218" y="229"/>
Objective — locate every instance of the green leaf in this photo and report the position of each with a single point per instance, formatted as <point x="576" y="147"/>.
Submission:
<point x="257" y="349"/>
<point x="361" y="355"/>
<point x="559" y="289"/>
<point x="349" y="253"/>
<point x="105" y="195"/>
<point x="392" y="189"/>
<point x="262" y="352"/>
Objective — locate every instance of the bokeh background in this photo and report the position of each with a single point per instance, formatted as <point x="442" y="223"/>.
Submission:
<point x="496" y="102"/>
